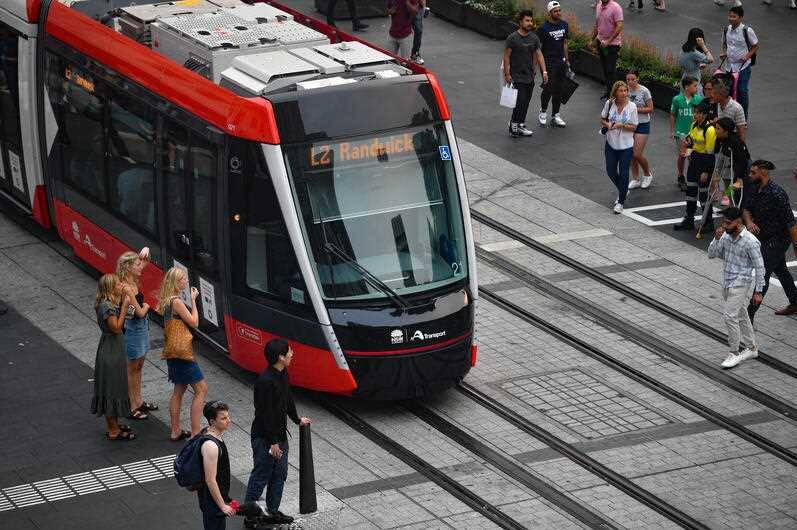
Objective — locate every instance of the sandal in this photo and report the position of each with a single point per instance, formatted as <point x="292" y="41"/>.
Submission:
<point x="125" y="436"/>
<point x="138" y="414"/>
<point x="147" y="406"/>
<point x="182" y="436"/>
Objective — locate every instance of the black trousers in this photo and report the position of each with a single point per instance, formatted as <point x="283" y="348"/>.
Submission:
<point x="698" y="163"/>
<point x="774" y="253"/>
<point x="553" y="88"/>
<point x="352" y="11"/>
<point x="608" y="56"/>
<point x="524" y="91"/>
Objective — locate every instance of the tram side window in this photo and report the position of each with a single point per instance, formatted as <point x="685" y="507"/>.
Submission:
<point x="269" y="263"/>
<point x="9" y="85"/>
<point x="81" y="133"/>
<point x="175" y="162"/>
<point x="131" y="170"/>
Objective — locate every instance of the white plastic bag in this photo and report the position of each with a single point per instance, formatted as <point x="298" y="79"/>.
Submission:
<point x="508" y="96"/>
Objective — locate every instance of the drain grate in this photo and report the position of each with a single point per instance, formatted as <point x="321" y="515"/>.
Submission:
<point x="584" y="404"/>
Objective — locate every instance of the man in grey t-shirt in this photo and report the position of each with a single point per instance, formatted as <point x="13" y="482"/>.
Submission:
<point x="521" y="51"/>
<point x="728" y="108"/>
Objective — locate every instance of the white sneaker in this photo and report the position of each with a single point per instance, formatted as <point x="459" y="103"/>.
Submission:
<point x="647" y="180"/>
<point x="748" y="353"/>
<point x="618" y="208"/>
<point x="558" y="121"/>
<point x="792" y="4"/>
<point x="732" y="360"/>
<point x="522" y="131"/>
<point x="767" y="2"/>
<point x="634" y="184"/>
<point x="543" y="118"/>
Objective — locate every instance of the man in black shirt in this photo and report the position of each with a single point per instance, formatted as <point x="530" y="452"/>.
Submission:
<point x="273" y="404"/>
<point x="768" y="215"/>
<point x="553" y="38"/>
<point x="214" y="495"/>
<point x="521" y="52"/>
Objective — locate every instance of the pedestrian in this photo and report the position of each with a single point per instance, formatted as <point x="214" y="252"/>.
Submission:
<point x="111" y="398"/>
<point x="768" y="216"/>
<point x="607" y="34"/>
<point x="739" y="48"/>
<point x="214" y="495"/>
<point x="702" y="141"/>
<point x="129" y="267"/>
<point x="731" y="163"/>
<point x="743" y="276"/>
<point x="356" y="23"/>
<point x="521" y="53"/>
<point x="401" y="13"/>
<point x="619" y="121"/>
<point x="553" y="36"/>
<point x="273" y="403"/>
<point x="792" y="3"/>
<point x="640" y="96"/>
<point x="417" y="32"/>
<point x="658" y="5"/>
<point x="178" y="351"/>
<point x="728" y="108"/>
<point x="681" y="113"/>
<point x="695" y="57"/>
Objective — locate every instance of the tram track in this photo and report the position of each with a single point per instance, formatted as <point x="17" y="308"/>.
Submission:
<point x="630" y="292"/>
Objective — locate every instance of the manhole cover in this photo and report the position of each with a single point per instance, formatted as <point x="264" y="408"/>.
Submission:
<point x="584" y="404"/>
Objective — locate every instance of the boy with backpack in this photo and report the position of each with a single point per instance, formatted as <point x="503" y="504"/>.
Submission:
<point x="739" y="48"/>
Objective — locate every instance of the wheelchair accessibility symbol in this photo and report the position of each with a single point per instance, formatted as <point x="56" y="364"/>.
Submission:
<point x="445" y="152"/>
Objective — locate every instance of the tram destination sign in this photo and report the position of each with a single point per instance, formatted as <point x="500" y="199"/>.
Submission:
<point x="374" y="148"/>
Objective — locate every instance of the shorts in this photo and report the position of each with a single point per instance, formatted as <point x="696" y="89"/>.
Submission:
<point x="643" y="128"/>
<point x="184" y="372"/>
<point x="136" y="338"/>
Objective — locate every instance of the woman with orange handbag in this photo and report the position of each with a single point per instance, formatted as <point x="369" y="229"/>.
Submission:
<point x="178" y="351"/>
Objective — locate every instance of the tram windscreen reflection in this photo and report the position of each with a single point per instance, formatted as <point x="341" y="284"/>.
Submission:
<point x="390" y="203"/>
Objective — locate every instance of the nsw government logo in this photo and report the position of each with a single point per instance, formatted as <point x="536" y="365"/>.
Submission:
<point x="396" y="336"/>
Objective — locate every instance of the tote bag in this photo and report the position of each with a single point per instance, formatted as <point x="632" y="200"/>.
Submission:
<point x="508" y="96"/>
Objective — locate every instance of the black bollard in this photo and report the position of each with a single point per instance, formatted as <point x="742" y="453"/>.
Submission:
<point x="307" y="498"/>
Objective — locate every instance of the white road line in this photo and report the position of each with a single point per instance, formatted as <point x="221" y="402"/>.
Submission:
<point x="95" y="481"/>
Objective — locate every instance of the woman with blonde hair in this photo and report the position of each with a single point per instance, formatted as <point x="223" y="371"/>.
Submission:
<point x="111" y="398"/>
<point x="178" y="351"/>
<point x="619" y="120"/>
<point x="129" y="267"/>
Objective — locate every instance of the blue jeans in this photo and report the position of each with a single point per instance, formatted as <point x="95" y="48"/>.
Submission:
<point x="743" y="88"/>
<point x="267" y="471"/>
<point x="617" y="163"/>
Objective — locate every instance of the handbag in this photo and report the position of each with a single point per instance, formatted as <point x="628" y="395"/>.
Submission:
<point x="569" y="86"/>
<point x="178" y="340"/>
<point x="508" y="96"/>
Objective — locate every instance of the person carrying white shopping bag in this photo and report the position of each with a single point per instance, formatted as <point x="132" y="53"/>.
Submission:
<point x="508" y="95"/>
<point x="521" y="52"/>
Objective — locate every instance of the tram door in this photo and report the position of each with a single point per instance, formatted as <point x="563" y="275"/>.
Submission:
<point x="190" y="171"/>
<point x="12" y="168"/>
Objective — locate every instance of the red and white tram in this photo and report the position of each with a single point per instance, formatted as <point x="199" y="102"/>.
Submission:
<point x="309" y="182"/>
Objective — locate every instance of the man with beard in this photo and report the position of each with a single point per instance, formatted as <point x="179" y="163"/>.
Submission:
<point x="768" y="215"/>
<point x="743" y="272"/>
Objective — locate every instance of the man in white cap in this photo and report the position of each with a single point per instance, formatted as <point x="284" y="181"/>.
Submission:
<point x="553" y="38"/>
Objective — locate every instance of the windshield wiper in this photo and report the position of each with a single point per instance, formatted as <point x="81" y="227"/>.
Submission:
<point x="367" y="275"/>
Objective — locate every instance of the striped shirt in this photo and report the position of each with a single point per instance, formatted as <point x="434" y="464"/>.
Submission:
<point x="742" y="256"/>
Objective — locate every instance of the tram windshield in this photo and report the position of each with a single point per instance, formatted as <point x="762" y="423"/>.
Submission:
<point x="388" y="203"/>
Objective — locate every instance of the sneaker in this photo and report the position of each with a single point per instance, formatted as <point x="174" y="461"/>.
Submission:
<point x="790" y="309"/>
<point x="543" y="118"/>
<point x="558" y="121"/>
<point x="417" y="59"/>
<point x="685" y="224"/>
<point x="513" y="130"/>
<point x="748" y="353"/>
<point x="732" y="360"/>
<point x="792" y="4"/>
<point x="360" y="26"/>
<point x="767" y="2"/>
<point x="618" y="208"/>
<point x="280" y="518"/>
<point x="647" y="180"/>
<point x="522" y="131"/>
<point x="634" y="184"/>
<point x="632" y="5"/>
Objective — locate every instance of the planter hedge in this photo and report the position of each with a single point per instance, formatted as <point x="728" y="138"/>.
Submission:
<point x="451" y="10"/>
<point x="488" y="25"/>
<point x="365" y="8"/>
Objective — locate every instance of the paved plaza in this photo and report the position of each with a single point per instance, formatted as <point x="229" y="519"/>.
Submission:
<point x="58" y="471"/>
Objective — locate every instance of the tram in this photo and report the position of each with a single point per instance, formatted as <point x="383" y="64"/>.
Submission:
<point x="309" y="182"/>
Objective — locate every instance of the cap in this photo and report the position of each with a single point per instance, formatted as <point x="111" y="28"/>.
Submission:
<point x="552" y="6"/>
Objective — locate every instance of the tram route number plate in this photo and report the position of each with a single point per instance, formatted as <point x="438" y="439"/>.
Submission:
<point x="445" y="152"/>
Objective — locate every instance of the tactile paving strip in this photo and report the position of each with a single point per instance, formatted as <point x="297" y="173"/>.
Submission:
<point x="583" y="403"/>
<point x="104" y="479"/>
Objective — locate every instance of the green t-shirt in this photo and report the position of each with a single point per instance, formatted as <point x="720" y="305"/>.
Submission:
<point x="682" y="110"/>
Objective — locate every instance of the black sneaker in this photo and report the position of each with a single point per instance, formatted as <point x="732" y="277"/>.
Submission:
<point x="685" y="224"/>
<point x="280" y="518"/>
<point x="360" y="26"/>
<point x="253" y="522"/>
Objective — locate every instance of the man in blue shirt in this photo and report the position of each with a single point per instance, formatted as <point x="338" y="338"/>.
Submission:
<point x="553" y="38"/>
<point x="744" y="271"/>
